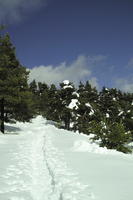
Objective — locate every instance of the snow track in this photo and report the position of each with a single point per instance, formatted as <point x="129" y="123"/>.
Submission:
<point x="65" y="184"/>
<point x="33" y="169"/>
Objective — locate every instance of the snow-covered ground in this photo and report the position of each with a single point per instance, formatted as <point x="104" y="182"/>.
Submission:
<point x="40" y="162"/>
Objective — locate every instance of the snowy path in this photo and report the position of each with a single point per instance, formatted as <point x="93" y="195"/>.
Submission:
<point x="108" y="173"/>
<point x="41" y="162"/>
<point x="31" y="168"/>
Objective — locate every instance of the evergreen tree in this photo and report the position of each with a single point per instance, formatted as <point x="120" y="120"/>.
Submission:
<point x="126" y="110"/>
<point x="35" y="96"/>
<point x="109" y="104"/>
<point x="66" y="95"/>
<point x="43" y="98"/>
<point x="111" y="135"/>
<point x="86" y="111"/>
<point x="14" y="91"/>
<point x="54" y="104"/>
<point x="33" y="87"/>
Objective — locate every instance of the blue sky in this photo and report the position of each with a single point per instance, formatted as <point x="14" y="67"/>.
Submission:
<point x="73" y="39"/>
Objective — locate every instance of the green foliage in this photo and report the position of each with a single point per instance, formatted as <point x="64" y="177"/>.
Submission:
<point x="87" y="109"/>
<point x="111" y="135"/>
<point x="14" y="89"/>
<point x="24" y="110"/>
<point x="54" y="104"/>
<point x="35" y="96"/>
<point x="66" y="95"/>
<point x="109" y="104"/>
<point x="107" y="114"/>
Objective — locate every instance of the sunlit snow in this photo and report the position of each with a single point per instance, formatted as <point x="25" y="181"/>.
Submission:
<point x="73" y="104"/>
<point x="66" y="82"/>
<point x="67" y="86"/>
<point x="107" y="115"/>
<point x="92" y="111"/>
<point x="40" y="162"/>
<point x="75" y="93"/>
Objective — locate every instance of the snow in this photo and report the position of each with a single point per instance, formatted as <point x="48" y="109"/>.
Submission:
<point x="66" y="82"/>
<point x="88" y="105"/>
<point x="67" y="86"/>
<point x="121" y="113"/>
<point x="106" y="89"/>
<point x="41" y="162"/>
<point x="73" y="104"/>
<point x="107" y="115"/>
<point x="75" y="93"/>
<point x="104" y="125"/>
<point x="114" y="99"/>
<point x="92" y="111"/>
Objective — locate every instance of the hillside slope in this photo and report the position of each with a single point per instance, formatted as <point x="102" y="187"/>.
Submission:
<point x="41" y="162"/>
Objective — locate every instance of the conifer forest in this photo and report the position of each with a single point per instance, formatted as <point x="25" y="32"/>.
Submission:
<point x="106" y="114"/>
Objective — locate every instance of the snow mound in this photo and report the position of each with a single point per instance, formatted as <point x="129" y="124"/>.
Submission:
<point x="84" y="146"/>
<point x="66" y="82"/>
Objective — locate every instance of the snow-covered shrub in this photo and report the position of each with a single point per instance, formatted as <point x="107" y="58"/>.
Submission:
<point x="110" y="135"/>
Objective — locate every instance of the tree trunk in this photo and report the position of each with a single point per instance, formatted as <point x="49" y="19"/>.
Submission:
<point x="2" y="128"/>
<point x="67" y="122"/>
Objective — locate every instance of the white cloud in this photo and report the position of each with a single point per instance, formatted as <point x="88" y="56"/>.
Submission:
<point x="94" y="60"/>
<point x="15" y="10"/>
<point x="78" y="70"/>
<point x="94" y="82"/>
<point x="125" y="84"/>
<point x="130" y="63"/>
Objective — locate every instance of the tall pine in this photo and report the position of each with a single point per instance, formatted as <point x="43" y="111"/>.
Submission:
<point x="15" y="98"/>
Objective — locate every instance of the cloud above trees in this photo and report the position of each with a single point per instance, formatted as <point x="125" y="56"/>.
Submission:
<point x="16" y="10"/>
<point x="125" y="84"/>
<point x="81" y="69"/>
<point x="76" y="71"/>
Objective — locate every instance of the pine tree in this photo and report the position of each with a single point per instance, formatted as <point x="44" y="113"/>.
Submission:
<point x="126" y="110"/>
<point x="43" y="98"/>
<point x="35" y="96"/>
<point x="86" y="112"/>
<point x="13" y="83"/>
<point x="54" y="102"/>
<point x="109" y="104"/>
<point x="66" y="95"/>
<point x="111" y="135"/>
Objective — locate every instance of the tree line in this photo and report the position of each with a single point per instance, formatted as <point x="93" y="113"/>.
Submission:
<point x="107" y="114"/>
